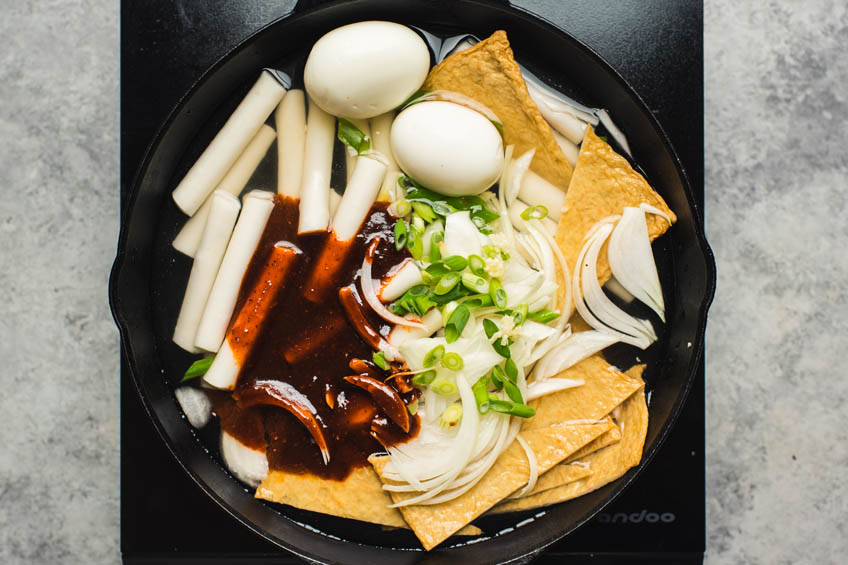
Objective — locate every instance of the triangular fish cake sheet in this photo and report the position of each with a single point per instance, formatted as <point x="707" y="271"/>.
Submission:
<point x="435" y="523"/>
<point x="488" y="73"/>
<point x="604" y="388"/>
<point x="603" y="184"/>
<point x="606" y="465"/>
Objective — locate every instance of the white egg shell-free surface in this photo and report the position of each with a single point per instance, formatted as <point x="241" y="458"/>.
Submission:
<point x="447" y="147"/>
<point x="364" y="69"/>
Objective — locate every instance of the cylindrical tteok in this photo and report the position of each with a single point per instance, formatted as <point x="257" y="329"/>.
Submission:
<point x="399" y="281"/>
<point x="358" y="197"/>
<point x="536" y="191"/>
<point x="569" y="149"/>
<point x="247" y="325"/>
<point x="228" y="144"/>
<point x="317" y="164"/>
<point x="381" y="128"/>
<point x="224" y="209"/>
<point x="432" y="321"/>
<point x="233" y="183"/>
<point x="290" y="118"/>
<point x="256" y="209"/>
<point x="515" y="215"/>
<point x="350" y="154"/>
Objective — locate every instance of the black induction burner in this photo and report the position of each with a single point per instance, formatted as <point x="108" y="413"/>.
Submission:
<point x="656" y="46"/>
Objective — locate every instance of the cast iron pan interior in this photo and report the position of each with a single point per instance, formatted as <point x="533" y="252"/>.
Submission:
<point x="148" y="276"/>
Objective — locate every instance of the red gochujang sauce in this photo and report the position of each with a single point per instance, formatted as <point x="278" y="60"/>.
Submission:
<point x="309" y="344"/>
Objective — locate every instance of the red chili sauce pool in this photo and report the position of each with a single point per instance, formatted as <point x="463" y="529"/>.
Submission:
<point x="309" y="344"/>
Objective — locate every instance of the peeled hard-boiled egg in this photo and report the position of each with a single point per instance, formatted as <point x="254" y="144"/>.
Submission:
<point x="447" y="147"/>
<point x="365" y="69"/>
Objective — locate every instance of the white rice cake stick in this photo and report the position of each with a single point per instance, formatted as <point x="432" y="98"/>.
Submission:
<point x="399" y="281"/>
<point x="350" y="156"/>
<point x="290" y="118"/>
<point x="569" y="149"/>
<point x="358" y="197"/>
<point x="257" y="207"/>
<point x="381" y="128"/>
<point x="233" y="182"/>
<point x="432" y="321"/>
<point x="228" y="144"/>
<point x="317" y="164"/>
<point x="223" y="211"/>
<point x="515" y="215"/>
<point x="536" y="191"/>
<point x="250" y="320"/>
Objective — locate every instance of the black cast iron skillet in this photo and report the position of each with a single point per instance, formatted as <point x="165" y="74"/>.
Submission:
<point x="148" y="276"/>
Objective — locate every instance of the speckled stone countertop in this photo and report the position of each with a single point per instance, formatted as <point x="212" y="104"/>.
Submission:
<point x="776" y="191"/>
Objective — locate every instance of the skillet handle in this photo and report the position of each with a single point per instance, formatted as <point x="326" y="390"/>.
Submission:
<point x="304" y="5"/>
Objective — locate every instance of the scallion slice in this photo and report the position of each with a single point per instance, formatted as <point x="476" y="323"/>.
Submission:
<point x="414" y="244"/>
<point x="538" y="212"/>
<point x="446" y="283"/>
<point x="456" y="323"/>
<point x="424" y="379"/>
<point x="498" y="377"/>
<point x="543" y="316"/>
<point x="401" y="234"/>
<point x="511" y="408"/>
<point x="198" y="369"/>
<point x="497" y="292"/>
<point x="489" y="327"/>
<point x="477" y="265"/>
<point x="435" y="240"/>
<point x="481" y="394"/>
<point x="380" y="360"/>
<point x="433" y="356"/>
<point x="512" y="392"/>
<point x="455" y="262"/>
<point x="425" y="211"/>
<point x="452" y="361"/>
<point x="475" y="283"/>
<point x="451" y="417"/>
<point x="352" y="136"/>
<point x="443" y="386"/>
<point x="511" y="369"/>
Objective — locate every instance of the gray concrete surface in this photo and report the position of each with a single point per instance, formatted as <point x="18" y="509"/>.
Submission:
<point x="776" y="133"/>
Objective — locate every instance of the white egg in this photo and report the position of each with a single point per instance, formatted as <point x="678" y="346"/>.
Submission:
<point x="447" y="147"/>
<point x="365" y="69"/>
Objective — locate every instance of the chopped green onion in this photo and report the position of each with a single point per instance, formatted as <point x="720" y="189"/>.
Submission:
<point x="489" y="327"/>
<point x="451" y="416"/>
<point x="425" y="211"/>
<point x="478" y="301"/>
<point x="380" y="360"/>
<point x="475" y="283"/>
<point x="198" y="369"/>
<point x="534" y="213"/>
<point x="433" y="356"/>
<point x="512" y="392"/>
<point x="511" y="408"/>
<point x="497" y="292"/>
<point x="403" y="207"/>
<point x="543" y="316"/>
<point x="498" y="126"/>
<point x="481" y="394"/>
<point x="424" y="379"/>
<point x="511" y="369"/>
<point x="446" y="283"/>
<point x="443" y="386"/>
<point x="437" y="269"/>
<point x="458" y="292"/>
<point x="477" y="265"/>
<point x="414" y="244"/>
<point x="498" y="377"/>
<point x="415" y="98"/>
<point x="520" y="314"/>
<point x="412" y="407"/>
<point x="455" y="262"/>
<point x="352" y="136"/>
<point x="452" y="361"/>
<point x="503" y="350"/>
<point x="400" y="234"/>
<point x="418" y="224"/>
<point x="435" y="240"/>
<point x="456" y="323"/>
<point x="491" y="252"/>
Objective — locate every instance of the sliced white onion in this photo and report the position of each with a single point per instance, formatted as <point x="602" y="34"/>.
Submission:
<point x="400" y="278"/>
<point x="631" y="260"/>
<point x="577" y="347"/>
<point x="590" y="298"/>
<point x="518" y="167"/>
<point x="613" y="130"/>
<point x="369" y="293"/>
<point x="195" y="404"/>
<point x="462" y="100"/>
<point x="431" y="321"/>
<point x="534" y="467"/>
<point x="538" y="389"/>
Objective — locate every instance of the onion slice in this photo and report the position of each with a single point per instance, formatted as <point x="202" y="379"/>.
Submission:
<point x="538" y="389"/>
<point x="631" y="260"/>
<point x="369" y="292"/>
<point x="577" y="347"/>
<point x="590" y="298"/>
<point x="534" y="467"/>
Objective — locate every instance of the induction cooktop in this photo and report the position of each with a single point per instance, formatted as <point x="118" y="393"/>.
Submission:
<point x="656" y="46"/>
